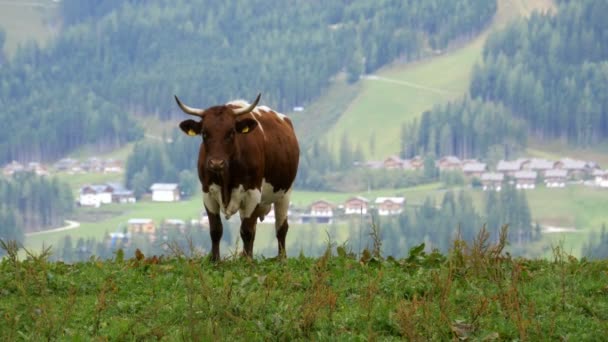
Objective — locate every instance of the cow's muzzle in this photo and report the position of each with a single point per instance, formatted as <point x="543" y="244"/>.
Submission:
<point x="216" y="165"/>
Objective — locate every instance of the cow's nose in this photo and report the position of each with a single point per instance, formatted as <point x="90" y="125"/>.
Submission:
<point x="216" y="164"/>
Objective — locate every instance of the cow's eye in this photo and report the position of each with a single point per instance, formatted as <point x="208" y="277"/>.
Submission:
<point x="205" y="135"/>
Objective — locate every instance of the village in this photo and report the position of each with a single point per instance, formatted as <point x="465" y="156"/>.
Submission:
<point x="522" y="173"/>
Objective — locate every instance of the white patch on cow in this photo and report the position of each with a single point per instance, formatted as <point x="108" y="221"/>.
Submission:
<point x="281" y="207"/>
<point x="243" y="201"/>
<point x="269" y="196"/>
<point x="213" y="199"/>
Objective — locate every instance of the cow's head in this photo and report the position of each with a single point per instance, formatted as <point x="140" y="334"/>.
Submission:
<point x="218" y="127"/>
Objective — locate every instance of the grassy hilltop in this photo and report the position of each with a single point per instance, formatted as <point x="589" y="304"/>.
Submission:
<point x="475" y="292"/>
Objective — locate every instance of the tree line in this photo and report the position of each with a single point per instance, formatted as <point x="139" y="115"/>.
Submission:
<point x="29" y="203"/>
<point x="468" y="128"/>
<point x="114" y="60"/>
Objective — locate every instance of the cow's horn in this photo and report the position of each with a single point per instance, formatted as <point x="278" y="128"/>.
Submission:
<point x="189" y="110"/>
<point x="248" y="109"/>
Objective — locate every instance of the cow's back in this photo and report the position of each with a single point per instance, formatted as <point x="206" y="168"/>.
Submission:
<point x="281" y="149"/>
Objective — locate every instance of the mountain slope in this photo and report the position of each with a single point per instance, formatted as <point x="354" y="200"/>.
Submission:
<point x="400" y="93"/>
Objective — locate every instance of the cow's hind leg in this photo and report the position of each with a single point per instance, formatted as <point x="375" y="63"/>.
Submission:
<point x="216" y="230"/>
<point x="280" y="213"/>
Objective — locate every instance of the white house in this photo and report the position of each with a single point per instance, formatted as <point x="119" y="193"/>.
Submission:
<point x="389" y="205"/>
<point x="95" y="195"/>
<point x="165" y="192"/>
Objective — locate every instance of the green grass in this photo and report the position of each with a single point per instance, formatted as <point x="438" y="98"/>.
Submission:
<point x="27" y="20"/>
<point x="474" y="293"/>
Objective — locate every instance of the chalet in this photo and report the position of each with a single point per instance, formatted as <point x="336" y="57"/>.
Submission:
<point x="393" y="162"/>
<point x="474" y="169"/>
<point x="492" y="181"/>
<point x="120" y="194"/>
<point x="67" y="165"/>
<point x="417" y="163"/>
<point x="601" y="178"/>
<point x="575" y="168"/>
<point x="165" y="192"/>
<point x="449" y="163"/>
<point x="12" y="168"/>
<point x="389" y="205"/>
<point x="538" y="165"/>
<point x="556" y="178"/>
<point x="356" y="206"/>
<point x="321" y="211"/>
<point x="141" y="225"/>
<point x="525" y="179"/>
<point x="95" y="195"/>
<point x="92" y="164"/>
<point x="112" y="166"/>
<point x="37" y="168"/>
<point x="509" y="168"/>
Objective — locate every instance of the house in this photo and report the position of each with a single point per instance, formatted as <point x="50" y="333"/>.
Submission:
<point x="600" y="177"/>
<point x="509" y="168"/>
<point x="389" y="205"/>
<point x="538" y="165"/>
<point x="474" y="169"/>
<point x="67" y="165"/>
<point x="112" y="166"/>
<point x="525" y="179"/>
<point x="12" y="168"/>
<point x="95" y="195"/>
<point x="141" y="225"/>
<point x="492" y="181"/>
<point x="556" y="178"/>
<point x="356" y="206"/>
<point x="417" y="163"/>
<point x="449" y="163"/>
<point x="321" y="211"/>
<point x="575" y="168"/>
<point x="393" y="162"/>
<point x="165" y="192"/>
<point x="37" y="168"/>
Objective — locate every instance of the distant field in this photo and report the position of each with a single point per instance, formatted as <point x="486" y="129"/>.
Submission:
<point x="400" y="93"/>
<point x="27" y="20"/>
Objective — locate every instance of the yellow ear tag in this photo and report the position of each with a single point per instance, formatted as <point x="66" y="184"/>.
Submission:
<point x="245" y="130"/>
<point x="191" y="133"/>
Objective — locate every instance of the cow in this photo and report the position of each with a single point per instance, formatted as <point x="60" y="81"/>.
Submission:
<point x="247" y="162"/>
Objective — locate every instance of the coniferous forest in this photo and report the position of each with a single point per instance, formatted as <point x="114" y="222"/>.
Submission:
<point x="545" y="76"/>
<point x="114" y="60"/>
<point x="29" y="202"/>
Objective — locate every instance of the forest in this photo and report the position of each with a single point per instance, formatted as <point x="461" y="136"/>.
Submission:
<point x="114" y="61"/>
<point x="543" y="77"/>
<point x="29" y="202"/>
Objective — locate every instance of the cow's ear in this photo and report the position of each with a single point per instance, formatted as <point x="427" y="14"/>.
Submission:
<point x="190" y="127"/>
<point x="245" y="126"/>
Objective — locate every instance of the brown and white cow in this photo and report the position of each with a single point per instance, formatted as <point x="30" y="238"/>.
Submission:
<point x="247" y="161"/>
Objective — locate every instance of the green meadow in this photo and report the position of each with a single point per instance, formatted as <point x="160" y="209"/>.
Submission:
<point x="23" y="21"/>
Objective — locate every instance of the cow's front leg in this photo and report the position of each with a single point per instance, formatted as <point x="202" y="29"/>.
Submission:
<point x="249" y="222"/>
<point x="248" y="227"/>
<point x="216" y="230"/>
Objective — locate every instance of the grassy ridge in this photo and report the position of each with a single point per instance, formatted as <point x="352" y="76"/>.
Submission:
<point x="474" y="293"/>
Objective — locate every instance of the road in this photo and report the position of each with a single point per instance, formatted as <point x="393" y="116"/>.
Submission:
<point x="69" y="226"/>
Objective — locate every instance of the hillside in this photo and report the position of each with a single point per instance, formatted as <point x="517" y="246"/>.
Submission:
<point x="401" y="92"/>
<point x="109" y="64"/>
<point x="473" y="293"/>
